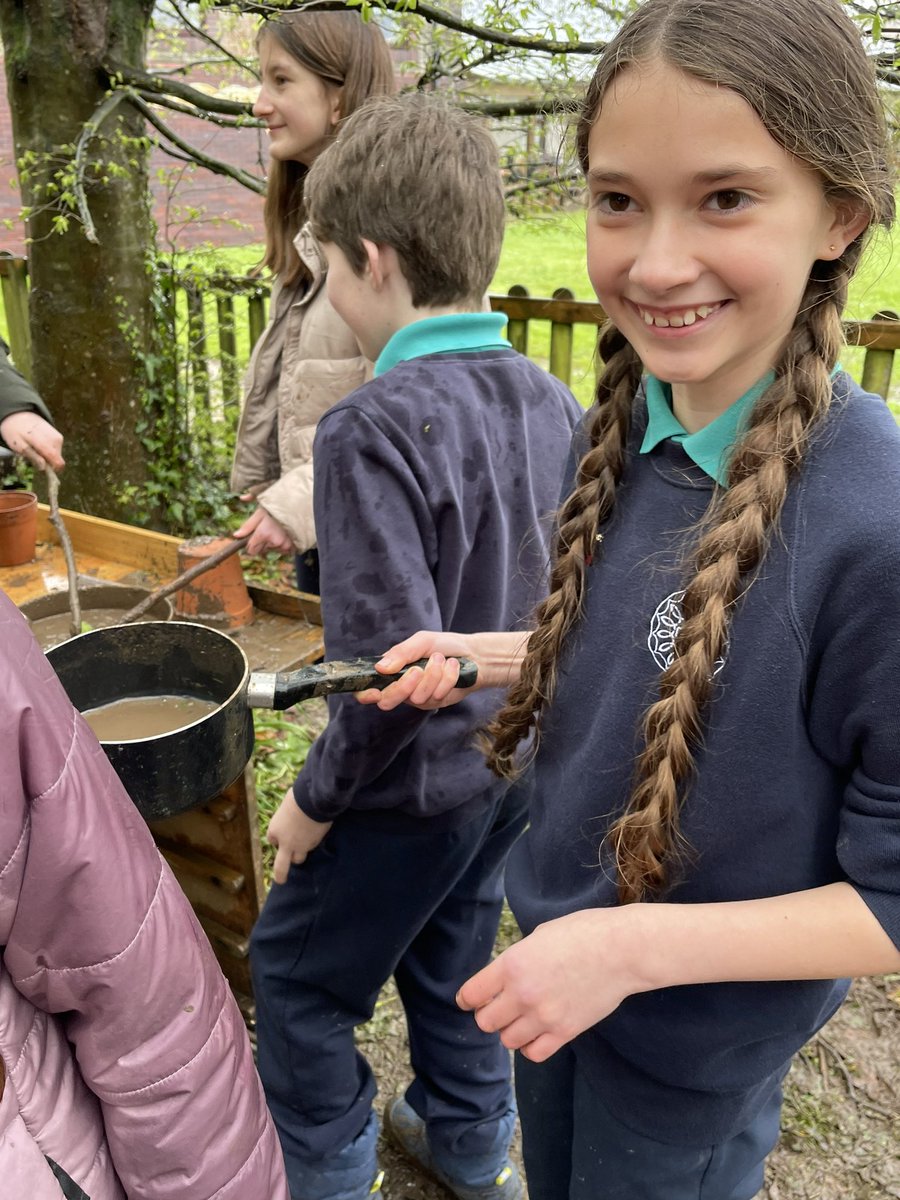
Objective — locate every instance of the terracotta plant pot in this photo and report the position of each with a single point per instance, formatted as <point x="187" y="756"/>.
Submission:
<point x="219" y="596"/>
<point x="18" y="528"/>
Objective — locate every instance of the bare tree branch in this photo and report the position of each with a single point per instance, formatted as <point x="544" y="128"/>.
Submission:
<point x="88" y="133"/>
<point x="521" y="108"/>
<point x="543" y="183"/>
<point x="143" y="81"/>
<point x="435" y="16"/>
<point x="189" y="111"/>
<point x="254" y="182"/>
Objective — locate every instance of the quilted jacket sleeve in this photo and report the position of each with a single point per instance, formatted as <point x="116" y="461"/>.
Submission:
<point x="16" y="393"/>
<point x="98" y="931"/>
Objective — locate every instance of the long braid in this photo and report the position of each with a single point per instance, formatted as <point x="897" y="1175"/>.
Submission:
<point x="789" y="91"/>
<point x="732" y="544"/>
<point x="577" y="525"/>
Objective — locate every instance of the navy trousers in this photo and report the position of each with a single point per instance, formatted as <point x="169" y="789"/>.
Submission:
<point x="575" y="1149"/>
<point x="370" y="902"/>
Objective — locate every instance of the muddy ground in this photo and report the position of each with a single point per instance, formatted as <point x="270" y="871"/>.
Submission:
<point x="841" y="1124"/>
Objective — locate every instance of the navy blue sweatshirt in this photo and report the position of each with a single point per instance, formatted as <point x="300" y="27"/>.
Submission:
<point x="435" y="486"/>
<point x="798" y="779"/>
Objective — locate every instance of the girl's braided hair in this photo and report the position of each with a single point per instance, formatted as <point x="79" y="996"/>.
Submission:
<point x="802" y="69"/>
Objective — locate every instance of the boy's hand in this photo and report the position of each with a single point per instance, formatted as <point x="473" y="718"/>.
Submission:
<point x="294" y="834"/>
<point x="28" y="434"/>
<point x="265" y="533"/>
<point x="554" y="984"/>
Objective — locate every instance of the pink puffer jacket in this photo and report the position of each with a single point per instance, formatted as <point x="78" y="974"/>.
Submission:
<point x="127" y="1068"/>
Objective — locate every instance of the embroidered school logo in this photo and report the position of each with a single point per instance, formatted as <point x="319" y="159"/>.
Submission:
<point x="664" y="626"/>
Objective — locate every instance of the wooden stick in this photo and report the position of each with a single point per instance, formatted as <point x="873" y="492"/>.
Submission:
<point x="59" y="525"/>
<point x="185" y="577"/>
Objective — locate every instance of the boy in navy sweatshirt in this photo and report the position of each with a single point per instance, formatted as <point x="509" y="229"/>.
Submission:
<point x="434" y="483"/>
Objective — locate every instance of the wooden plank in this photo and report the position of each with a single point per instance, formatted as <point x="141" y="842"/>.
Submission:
<point x="234" y="910"/>
<point x="204" y="830"/>
<point x="224" y="831"/>
<point x="236" y="945"/>
<point x="142" y="548"/>
<point x="876" y="335"/>
<point x="236" y="970"/>
<point x="186" y="861"/>
<point x="247" y="1005"/>
<point x="543" y="308"/>
<point x="300" y="605"/>
<point x="48" y="573"/>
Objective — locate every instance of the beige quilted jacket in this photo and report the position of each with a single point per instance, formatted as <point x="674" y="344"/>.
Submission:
<point x="305" y="361"/>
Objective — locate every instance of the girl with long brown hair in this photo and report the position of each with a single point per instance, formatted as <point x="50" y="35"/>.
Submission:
<point x="316" y="69"/>
<point x="704" y="713"/>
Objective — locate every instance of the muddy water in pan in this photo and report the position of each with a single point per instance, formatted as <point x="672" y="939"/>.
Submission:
<point x="145" y="716"/>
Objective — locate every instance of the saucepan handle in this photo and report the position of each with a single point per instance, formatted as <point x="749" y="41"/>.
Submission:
<point x="282" y="689"/>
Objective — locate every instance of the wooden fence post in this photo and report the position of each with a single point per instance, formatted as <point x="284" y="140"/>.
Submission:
<point x="878" y="365"/>
<point x="517" y="331"/>
<point x="561" y="342"/>
<point x="256" y="316"/>
<point x="197" y="359"/>
<point x="14" y="283"/>
<point x="227" y="349"/>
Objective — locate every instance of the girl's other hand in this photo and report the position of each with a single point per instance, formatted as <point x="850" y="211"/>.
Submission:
<point x="28" y="434"/>
<point x="432" y="686"/>
<point x="265" y="534"/>
<point x="553" y="985"/>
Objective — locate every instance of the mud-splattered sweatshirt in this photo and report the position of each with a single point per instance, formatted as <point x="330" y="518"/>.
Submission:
<point x="435" y="487"/>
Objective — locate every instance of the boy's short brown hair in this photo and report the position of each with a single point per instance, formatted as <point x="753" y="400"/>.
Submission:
<point x="417" y="174"/>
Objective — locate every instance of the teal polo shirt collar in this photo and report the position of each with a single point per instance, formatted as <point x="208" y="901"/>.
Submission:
<point x="446" y="334"/>
<point x="710" y="446"/>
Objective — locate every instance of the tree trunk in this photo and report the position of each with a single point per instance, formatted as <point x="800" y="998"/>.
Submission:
<point x="90" y="305"/>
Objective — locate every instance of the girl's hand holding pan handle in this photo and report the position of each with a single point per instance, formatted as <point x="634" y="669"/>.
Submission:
<point x="496" y="655"/>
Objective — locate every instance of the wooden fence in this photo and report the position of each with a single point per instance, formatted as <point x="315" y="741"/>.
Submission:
<point x="217" y="320"/>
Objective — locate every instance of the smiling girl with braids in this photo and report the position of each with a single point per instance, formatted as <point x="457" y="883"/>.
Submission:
<point x="706" y="710"/>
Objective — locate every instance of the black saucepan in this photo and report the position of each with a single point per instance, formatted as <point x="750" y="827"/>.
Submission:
<point x="171" y="772"/>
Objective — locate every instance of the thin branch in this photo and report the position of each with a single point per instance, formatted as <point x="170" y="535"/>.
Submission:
<point x="143" y="81"/>
<point x="254" y="182"/>
<point x="188" y="111"/>
<point x="88" y="133"/>
<point x="491" y="55"/>
<point x="521" y="108"/>
<point x="207" y="37"/>
<point x="540" y="184"/>
<point x="183" y="68"/>
<point x="435" y="16"/>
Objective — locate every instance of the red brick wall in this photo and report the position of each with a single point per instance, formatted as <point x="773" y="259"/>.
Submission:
<point x="232" y="214"/>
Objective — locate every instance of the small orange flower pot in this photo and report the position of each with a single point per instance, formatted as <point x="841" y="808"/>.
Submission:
<point x="18" y="528"/>
<point x="219" y="596"/>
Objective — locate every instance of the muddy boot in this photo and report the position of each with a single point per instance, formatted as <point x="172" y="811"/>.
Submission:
<point x="467" y="1179"/>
